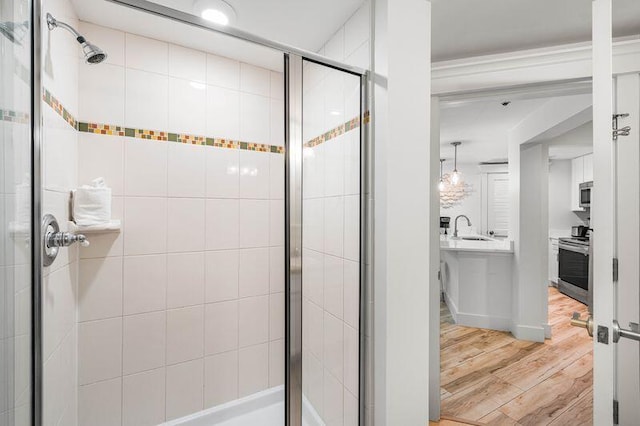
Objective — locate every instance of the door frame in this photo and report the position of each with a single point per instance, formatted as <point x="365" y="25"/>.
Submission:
<point x="512" y="73"/>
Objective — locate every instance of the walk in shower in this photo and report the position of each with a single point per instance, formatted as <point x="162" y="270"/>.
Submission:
<point x="228" y="283"/>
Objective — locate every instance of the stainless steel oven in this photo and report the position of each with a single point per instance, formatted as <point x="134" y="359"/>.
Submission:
<point x="585" y="194"/>
<point x="574" y="265"/>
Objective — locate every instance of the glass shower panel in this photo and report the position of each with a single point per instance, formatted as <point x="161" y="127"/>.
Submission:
<point x="15" y="213"/>
<point x="331" y="245"/>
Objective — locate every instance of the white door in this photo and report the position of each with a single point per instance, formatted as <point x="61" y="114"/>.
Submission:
<point x="616" y="184"/>
<point x="498" y="204"/>
<point x="627" y="352"/>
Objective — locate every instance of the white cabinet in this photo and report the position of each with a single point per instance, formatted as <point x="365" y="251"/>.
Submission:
<point x="577" y="177"/>
<point x="553" y="260"/>
<point x="581" y="171"/>
<point x="588" y="168"/>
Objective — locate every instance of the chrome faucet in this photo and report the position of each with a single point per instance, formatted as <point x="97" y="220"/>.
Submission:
<point x="455" y="228"/>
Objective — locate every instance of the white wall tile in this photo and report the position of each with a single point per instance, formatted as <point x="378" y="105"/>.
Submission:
<point x="186" y="174"/>
<point x="146" y="54"/>
<point x="101" y="156"/>
<point x="220" y="378"/>
<point x="253" y="369"/>
<point x="276" y="316"/>
<point x="276" y="170"/>
<point x="333" y="398"/>
<point x="352" y="227"/>
<point x="333" y="285"/>
<point x="146" y="100"/>
<point x="333" y="345"/>
<point x="276" y="223"/>
<point x="351" y="163"/>
<point x="254" y="272"/>
<point x="100" y="288"/>
<point x="100" y="404"/>
<point x="221" y="275"/>
<point x="313" y="276"/>
<point x="143" y="398"/>
<point x="110" y="40"/>
<point x="253" y="318"/>
<point x="145" y="283"/>
<point x="276" y="269"/>
<point x="59" y="314"/>
<point x="145" y="168"/>
<point x="334" y="89"/>
<point x="222" y="224"/>
<point x="313" y="227"/>
<point x="351" y="293"/>
<point x="185" y="388"/>
<point x="254" y="174"/>
<point x="185" y="334"/>
<point x="277" y="122"/>
<point x="357" y="29"/>
<point x="60" y="171"/>
<point x="222" y="172"/>
<point x="223" y="113"/>
<point x="255" y="123"/>
<point x="188" y="64"/>
<point x="221" y="327"/>
<point x="334" y="166"/>
<point x="314" y="329"/>
<point x="187" y="106"/>
<point x="254" y="223"/>
<point x="334" y="226"/>
<point x="145" y="225"/>
<point x="255" y="80"/>
<point x="351" y="364"/>
<point x="350" y="409"/>
<point x="277" y="85"/>
<point x="144" y="342"/>
<point x="101" y="94"/>
<point x="314" y="380"/>
<point x="334" y="48"/>
<point x="99" y="350"/>
<point x="185" y="223"/>
<point x="313" y="166"/>
<point x="223" y="72"/>
<point x="276" y="363"/>
<point x="185" y="279"/>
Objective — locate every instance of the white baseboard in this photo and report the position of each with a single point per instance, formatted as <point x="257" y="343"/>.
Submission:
<point x="547" y="331"/>
<point x="525" y="332"/>
<point x="476" y="320"/>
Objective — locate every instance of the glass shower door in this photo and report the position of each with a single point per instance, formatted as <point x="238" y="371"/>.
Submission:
<point x="331" y="257"/>
<point x="15" y="213"/>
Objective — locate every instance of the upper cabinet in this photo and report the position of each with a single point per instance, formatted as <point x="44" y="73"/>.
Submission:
<point x="581" y="171"/>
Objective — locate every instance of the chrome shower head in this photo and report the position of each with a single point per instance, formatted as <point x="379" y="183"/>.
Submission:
<point x="92" y="53"/>
<point x="14" y="31"/>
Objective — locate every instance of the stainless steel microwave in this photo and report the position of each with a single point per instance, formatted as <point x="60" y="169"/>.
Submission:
<point x="585" y="194"/>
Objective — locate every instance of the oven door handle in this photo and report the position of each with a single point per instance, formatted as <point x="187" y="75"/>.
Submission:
<point x="581" y="250"/>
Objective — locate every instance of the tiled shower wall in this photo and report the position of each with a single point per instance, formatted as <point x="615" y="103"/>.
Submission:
<point x="60" y="173"/>
<point x="184" y="309"/>
<point x="331" y="234"/>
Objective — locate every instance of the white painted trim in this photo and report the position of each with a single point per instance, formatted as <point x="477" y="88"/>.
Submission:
<point x="566" y="62"/>
<point x="525" y="332"/>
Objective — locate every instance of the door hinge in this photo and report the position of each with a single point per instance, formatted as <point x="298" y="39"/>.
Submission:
<point x="619" y="132"/>
<point x="615" y="269"/>
<point x="616" y="417"/>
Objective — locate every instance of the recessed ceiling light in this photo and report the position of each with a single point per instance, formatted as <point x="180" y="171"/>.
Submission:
<point x="216" y="11"/>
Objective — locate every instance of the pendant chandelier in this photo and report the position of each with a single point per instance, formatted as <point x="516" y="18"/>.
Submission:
<point x="452" y="187"/>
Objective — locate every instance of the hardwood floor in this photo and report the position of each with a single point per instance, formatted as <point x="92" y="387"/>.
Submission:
<point x="489" y="377"/>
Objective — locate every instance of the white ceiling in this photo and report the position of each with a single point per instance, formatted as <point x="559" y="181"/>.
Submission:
<point x="483" y="128"/>
<point x="463" y="28"/>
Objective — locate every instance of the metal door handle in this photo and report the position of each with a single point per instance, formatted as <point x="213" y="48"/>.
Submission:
<point x="588" y="323"/>
<point x="633" y="334"/>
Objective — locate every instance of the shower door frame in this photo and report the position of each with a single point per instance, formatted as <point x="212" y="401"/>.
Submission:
<point x="293" y="59"/>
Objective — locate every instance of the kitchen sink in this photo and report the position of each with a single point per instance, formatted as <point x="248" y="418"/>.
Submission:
<point x="476" y="239"/>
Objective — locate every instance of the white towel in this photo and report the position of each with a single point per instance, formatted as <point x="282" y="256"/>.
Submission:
<point x="92" y="203"/>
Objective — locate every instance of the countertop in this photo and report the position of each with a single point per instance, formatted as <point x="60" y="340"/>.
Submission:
<point x="492" y="245"/>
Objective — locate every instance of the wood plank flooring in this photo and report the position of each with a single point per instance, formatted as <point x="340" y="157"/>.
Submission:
<point x="489" y="377"/>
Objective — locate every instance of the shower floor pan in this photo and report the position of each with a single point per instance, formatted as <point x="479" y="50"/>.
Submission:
<point x="264" y="408"/>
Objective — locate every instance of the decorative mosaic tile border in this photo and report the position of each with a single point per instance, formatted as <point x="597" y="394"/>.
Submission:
<point x="156" y="135"/>
<point x="14" y="116"/>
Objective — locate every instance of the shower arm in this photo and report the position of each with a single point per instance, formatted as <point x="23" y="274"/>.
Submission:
<point x="54" y="23"/>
